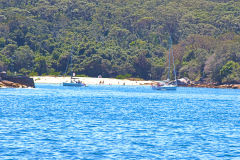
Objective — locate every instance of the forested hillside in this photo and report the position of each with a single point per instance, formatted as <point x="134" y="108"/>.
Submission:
<point x="118" y="37"/>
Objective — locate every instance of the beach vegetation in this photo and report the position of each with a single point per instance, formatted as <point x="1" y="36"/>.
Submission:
<point x="81" y="75"/>
<point x="53" y="73"/>
<point x="125" y="76"/>
<point x="33" y="74"/>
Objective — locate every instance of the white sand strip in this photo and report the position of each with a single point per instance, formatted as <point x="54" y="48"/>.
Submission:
<point x="89" y="80"/>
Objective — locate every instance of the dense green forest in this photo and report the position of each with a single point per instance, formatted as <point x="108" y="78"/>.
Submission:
<point x="119" y="37"/>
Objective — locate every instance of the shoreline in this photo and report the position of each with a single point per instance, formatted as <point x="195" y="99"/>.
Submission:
<point x="114" y="81"/>
<point x="223" y="86"/>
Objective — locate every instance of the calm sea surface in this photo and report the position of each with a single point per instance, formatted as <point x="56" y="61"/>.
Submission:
<point x="119" y="122"/>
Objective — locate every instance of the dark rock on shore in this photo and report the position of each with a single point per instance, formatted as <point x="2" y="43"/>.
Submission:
<point x="183" y="81"/>
<point x="9" y="84"/>
<point x="16" y="82"/>
<point x="231" y="86"/>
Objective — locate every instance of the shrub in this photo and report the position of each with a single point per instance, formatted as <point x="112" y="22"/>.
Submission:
<point x="81" y="75"/>
<point x="125" y="76"/>
<point x="24" y="71"/>
<point x="54" y="73"/>
<point x="33" y="74"/>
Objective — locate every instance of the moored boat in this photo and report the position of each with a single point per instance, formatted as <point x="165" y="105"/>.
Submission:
<point x="73" y="82"/>
<point x="167" y="85"/>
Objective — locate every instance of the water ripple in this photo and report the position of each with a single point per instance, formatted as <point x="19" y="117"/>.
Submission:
<point x="119" y="122"/>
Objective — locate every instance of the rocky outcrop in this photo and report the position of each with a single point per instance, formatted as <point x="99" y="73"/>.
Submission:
<point x="232" y="86"/>
<point x="236" y="86"/>
<point x="9" y="84"/>
<point x="22" y="80"/>
<point x="17" y="82"/>
<point x="183" y="81"/>
<point x="211" y="85"/>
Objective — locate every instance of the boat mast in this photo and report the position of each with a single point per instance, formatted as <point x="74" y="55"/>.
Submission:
<point x="70" y="64"/>
<point x="71" y="71"/>
<point x="169" y="57"/>
<point x="175" y="76"/>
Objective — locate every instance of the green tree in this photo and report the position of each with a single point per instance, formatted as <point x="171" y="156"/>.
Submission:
<point x="23" y="58"/>
<point x="142" y="66"/>
<point x="41" y="65"/>
<point x="230" y="72"/>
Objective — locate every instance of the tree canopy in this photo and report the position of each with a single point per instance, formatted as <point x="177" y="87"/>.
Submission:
<point x="119" y="37"/>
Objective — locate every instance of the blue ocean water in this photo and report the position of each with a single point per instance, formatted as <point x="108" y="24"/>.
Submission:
<point x="119" y="122"/>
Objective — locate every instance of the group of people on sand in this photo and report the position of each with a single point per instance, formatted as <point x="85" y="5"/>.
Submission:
<point x="101" y="82"/>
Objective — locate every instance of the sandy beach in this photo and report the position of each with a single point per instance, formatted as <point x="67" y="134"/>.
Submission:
<point x="89" y="80"/>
